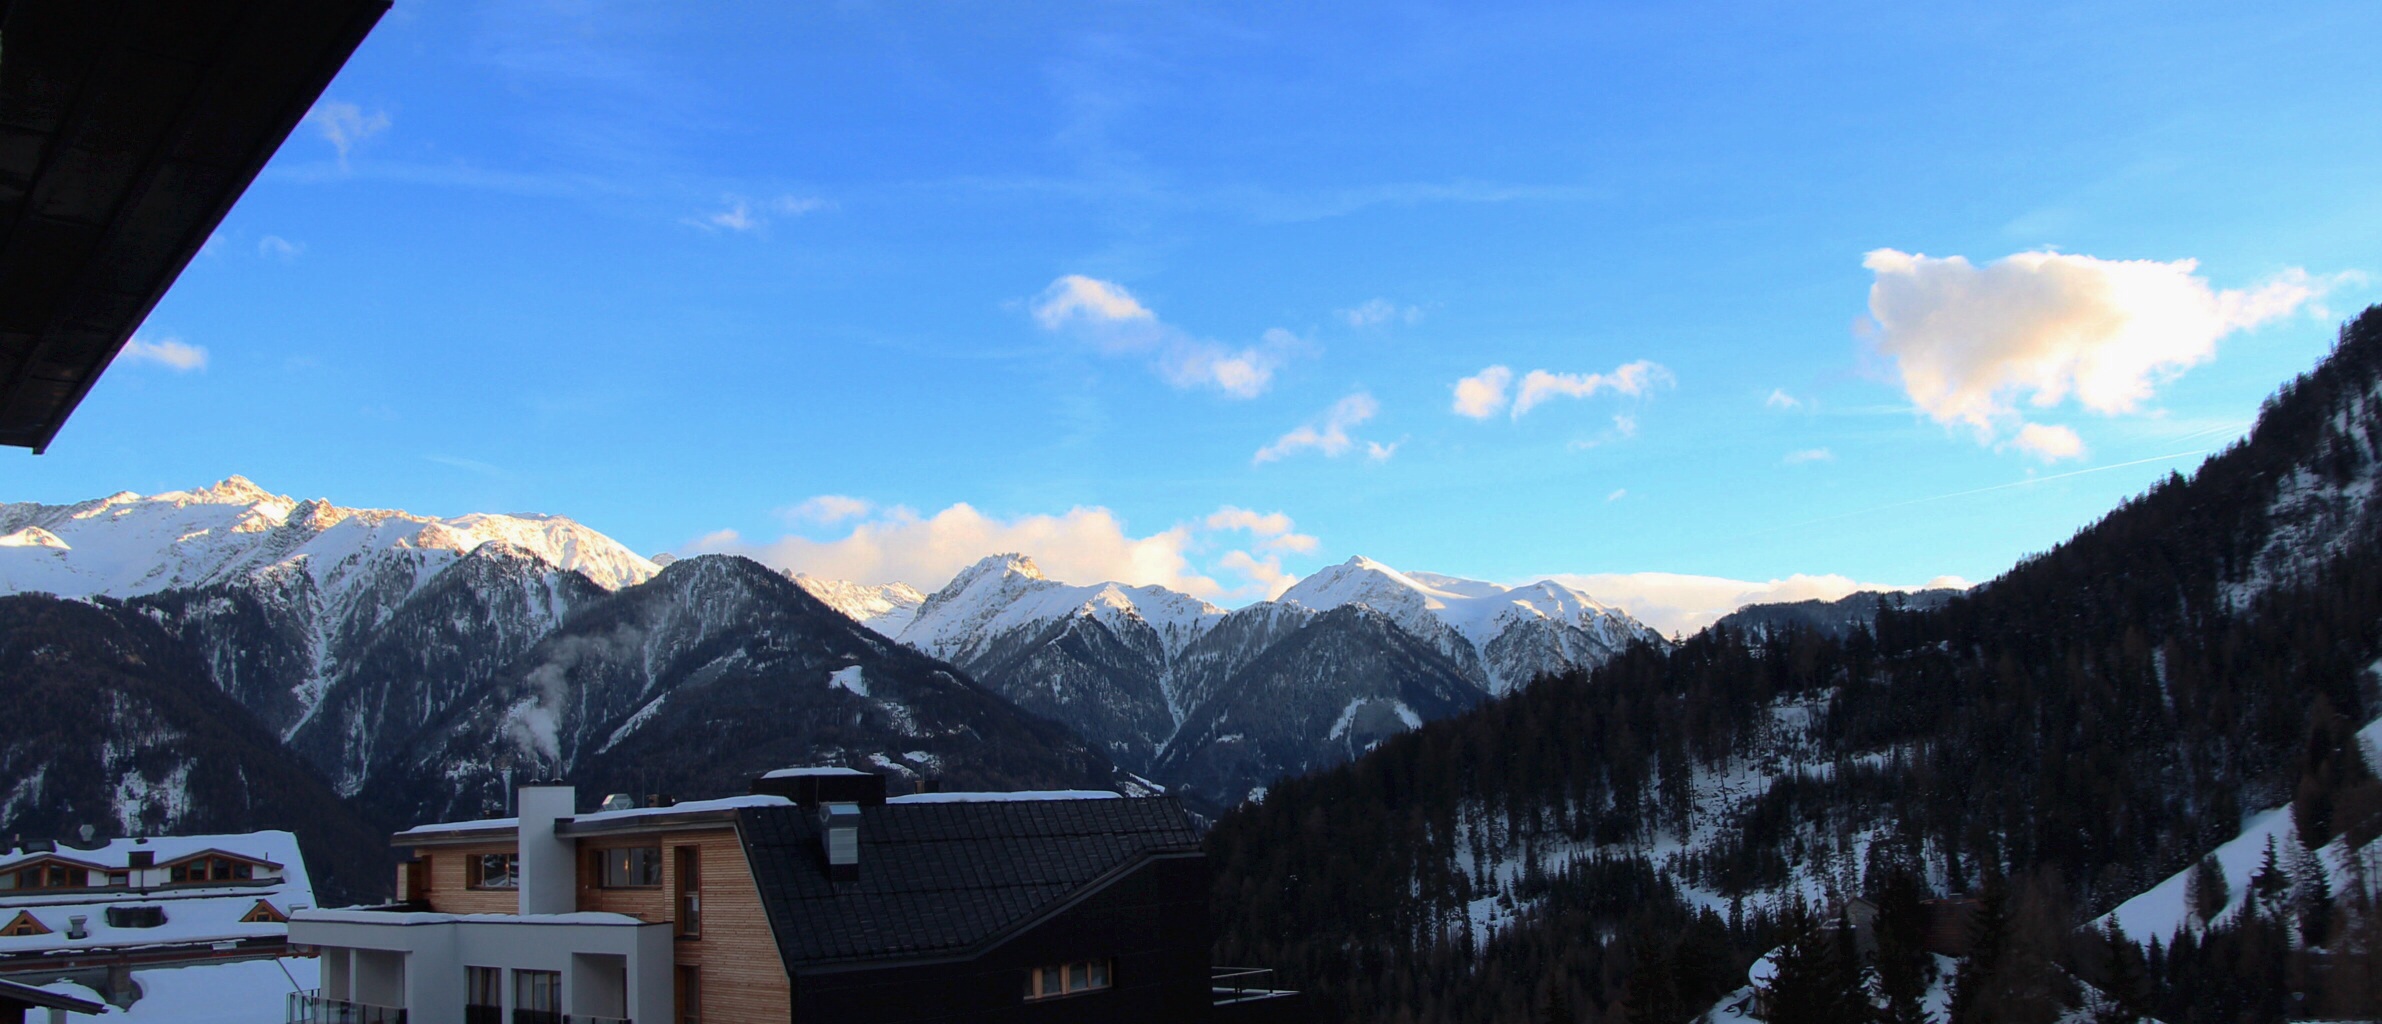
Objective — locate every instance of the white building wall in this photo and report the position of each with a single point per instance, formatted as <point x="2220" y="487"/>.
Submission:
<point x="598" y="956"/>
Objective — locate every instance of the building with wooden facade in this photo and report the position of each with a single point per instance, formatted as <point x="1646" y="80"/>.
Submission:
<point x="814" y="899"/>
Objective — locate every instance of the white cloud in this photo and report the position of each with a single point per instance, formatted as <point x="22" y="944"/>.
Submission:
<point x="2049" y="444"/>
<point x="1329" y="433"/>
<point x="171" y="353"/>
<point x="1274" y="530"/>
<point x="346" y="125"/>
<point x="1618" y="494"/>
<point x="1797" y="458"/>
<point x="279" y="248"/>
<point x="1376" y="312"/>
<point x="1970" y="342"/>
<point x="829" y="508"/>
<point x="1677" y="603"/>
<point x="743" y="215"/>
<point x="1482" y="395"/>
<point x="1082" y="545"/>
<point x="1779" y="399"/>
<point x="1107" y="315"/>
<point x="1076" y="298"/>
<point x="1633" y="379"/>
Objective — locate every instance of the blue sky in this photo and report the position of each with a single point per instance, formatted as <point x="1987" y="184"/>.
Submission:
<point x="677" y="269"/>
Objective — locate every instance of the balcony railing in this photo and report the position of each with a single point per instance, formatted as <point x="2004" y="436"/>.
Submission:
<point x="310" y="1007"/>
<point x="1241" y="984"/>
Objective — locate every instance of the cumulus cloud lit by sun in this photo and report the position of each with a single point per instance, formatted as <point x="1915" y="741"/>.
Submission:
<point x="1231" y="553"/>
<point x="1484" y="394"/>
<point x="828" y="508"/>
<point x="172" y="353"/>
<point x="1972" y="343"/>
<point x="1680" y="603"/>
<point x="1114" y="322"/>
<point x="1329" y="433"/>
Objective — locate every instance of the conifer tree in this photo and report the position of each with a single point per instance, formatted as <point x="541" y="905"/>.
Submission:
<point x="2205" y="891"/>
<point x="1903" y="966"/>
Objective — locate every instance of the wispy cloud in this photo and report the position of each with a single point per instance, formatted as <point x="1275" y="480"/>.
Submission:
<point x="1329" y="435"/>
<point x="746" y="216"/>
<point x="171" y="353"/>
<point x="345" y="125"/>
<point x="1797" y="458"/>
<point x="1377" y="312"/>
<point x="1618" y="494"/>
<point x="277" y="247"/>
<point x="1970" y="342"/>
<point x="1483" y="394"/>
<point x="828" y="509"/>
<point x="1113" y="321"/>
<point x="1779" y="399"/>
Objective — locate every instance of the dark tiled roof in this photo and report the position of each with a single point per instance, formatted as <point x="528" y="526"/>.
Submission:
<point x="938" y="878"/>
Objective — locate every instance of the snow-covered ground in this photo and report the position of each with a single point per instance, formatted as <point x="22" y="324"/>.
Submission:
<point x="239" y="992"/>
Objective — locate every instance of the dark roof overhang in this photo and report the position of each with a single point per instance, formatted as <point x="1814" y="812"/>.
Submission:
<point x="127" y="130"/>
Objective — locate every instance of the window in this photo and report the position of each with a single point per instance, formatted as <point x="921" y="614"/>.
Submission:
<point x="119" y="878"/>
<point x="1067" y="979"/>
<point x="537" y="997"/>
<point x="493" y="871"/>
<point x="630" y="867"/>
<point x="690" y="891"/>
<point x="690" y="994"/>
<point x="24" y="924"/>
<point x="264" y="913"/>
<point x="211" y="869"/>
<point x="51" y="876"/>
<point x="483" y="995"/>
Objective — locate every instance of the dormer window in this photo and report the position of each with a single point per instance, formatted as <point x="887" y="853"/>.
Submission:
<point x="211" y="869"/>
<point x="49" y="875"/>
<point x="24" y="924"/>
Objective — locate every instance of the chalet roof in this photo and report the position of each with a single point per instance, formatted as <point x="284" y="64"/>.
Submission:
<point x="127" y="130"/>
<point x="946" y="879"/>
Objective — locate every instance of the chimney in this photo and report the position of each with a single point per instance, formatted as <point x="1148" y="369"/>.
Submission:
<point x="78" y="926"/>
<point x="549" y="881"/>
<point x="839" y="832"/>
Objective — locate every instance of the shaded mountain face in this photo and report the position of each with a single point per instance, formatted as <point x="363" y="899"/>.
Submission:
<point x="115" y="724"/>
<point x="713" y="672"/>
<point x="1328" y="690"/>
<point x="411" y="663"/>
<point x="1835" y="618"/>
<point x="1132" y="668"/>
<point x="2081" y="730"/>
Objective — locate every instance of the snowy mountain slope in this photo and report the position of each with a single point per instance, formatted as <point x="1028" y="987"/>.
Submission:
<point x="127" y="544"/>
<point x="887" y="609"/>
<point x="1127" y="666"/>
<point x="285" y="594"/>
<point x="705" y="676"/>
<point x="1503" y="636"/>
<point x="1003" y="594"/>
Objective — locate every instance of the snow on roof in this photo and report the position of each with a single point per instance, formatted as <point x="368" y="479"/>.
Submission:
<point x="272" y="847"/>
<point x="802" y="773"/>
<point x="358" y="915"/>
<point x="481" y="824"/>
<point x="233" y="992"/>
<point x="973" y="798"/>
<point x="728" y="803"/>
<point x="194" y="913"/>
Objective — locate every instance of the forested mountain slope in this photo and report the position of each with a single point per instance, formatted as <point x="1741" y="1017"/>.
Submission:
<point x="2081" y="728"/>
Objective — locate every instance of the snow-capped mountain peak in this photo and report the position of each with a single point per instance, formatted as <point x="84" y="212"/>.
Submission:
<point x="1005" y="592"/>
<point x="886" y="608"/>
<point x="1514" y="633"/>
